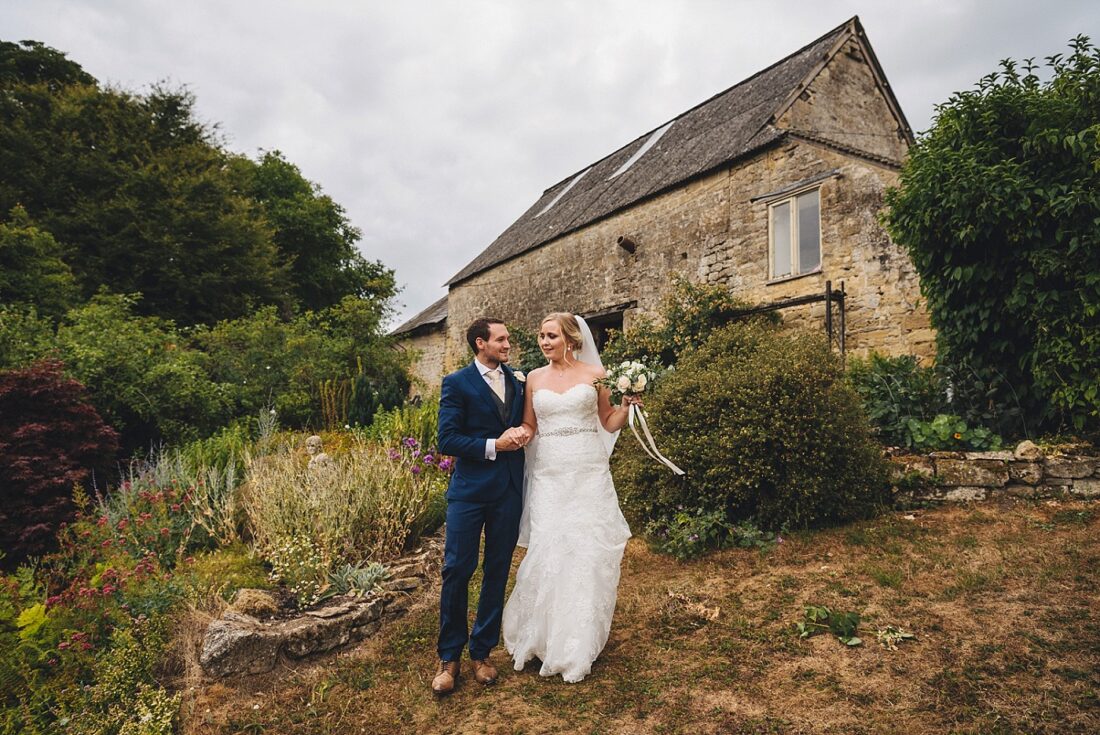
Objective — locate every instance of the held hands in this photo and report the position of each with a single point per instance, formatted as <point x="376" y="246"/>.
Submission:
<point x="513" y="439"/>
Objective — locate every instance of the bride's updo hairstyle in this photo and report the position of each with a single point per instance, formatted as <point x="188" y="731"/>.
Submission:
<point x="569" y="328"/>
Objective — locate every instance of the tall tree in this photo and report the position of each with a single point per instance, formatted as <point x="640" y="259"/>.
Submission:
<point x="313" y="234"/>
<point x="999" y="207"/>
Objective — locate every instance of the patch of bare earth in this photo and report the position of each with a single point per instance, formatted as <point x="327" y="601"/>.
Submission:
<point x="1002" y="599"/>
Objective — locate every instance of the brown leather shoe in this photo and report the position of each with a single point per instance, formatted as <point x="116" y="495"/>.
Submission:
<point x="485" y="672"/>
<point x="445" y="681"/>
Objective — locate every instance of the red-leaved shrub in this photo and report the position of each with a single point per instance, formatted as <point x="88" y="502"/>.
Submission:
<point x="51" y="438"/>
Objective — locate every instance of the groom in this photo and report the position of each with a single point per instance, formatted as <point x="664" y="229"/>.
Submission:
<point x="480" y="412"/>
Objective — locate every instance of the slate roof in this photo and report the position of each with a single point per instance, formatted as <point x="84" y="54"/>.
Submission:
<point x="728" y="126"/>
<point x="433" y="315"/>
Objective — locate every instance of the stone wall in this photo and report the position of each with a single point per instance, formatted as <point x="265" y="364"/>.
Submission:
<point x="844" y="104"/>
<point x="883" y="309"/>
<point x="427" y="369"/>
<point x="1023" y="473"/>
<point x="710" y="231"/>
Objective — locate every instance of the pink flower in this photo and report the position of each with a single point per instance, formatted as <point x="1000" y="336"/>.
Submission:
<point x="63" y="645"/>
<point x="164" y="532"/>
<point x="122" y="524"/>
<point x="176" y="507"/>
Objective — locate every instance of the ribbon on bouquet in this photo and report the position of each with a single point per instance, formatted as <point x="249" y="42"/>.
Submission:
<point x="651" y="449"/>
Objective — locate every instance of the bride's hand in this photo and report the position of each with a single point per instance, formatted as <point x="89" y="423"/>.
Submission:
<point x="629" y="401"/>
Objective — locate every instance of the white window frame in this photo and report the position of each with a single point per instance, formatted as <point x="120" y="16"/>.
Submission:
<point x="796" y="269"/>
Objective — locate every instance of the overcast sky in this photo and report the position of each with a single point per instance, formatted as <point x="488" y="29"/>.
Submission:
<point x="436" y="124"/>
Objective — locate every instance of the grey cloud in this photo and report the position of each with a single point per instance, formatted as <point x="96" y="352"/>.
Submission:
<point x="435" y="124"/>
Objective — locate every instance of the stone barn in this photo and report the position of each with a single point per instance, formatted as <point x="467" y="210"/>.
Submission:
<point x="772" y="188"/>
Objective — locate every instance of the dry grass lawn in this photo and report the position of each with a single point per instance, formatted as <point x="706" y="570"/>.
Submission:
<point x="1003" y="600"/>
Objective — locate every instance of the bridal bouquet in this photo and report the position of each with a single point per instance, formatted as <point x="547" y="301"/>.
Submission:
<point x="628" y="378"/>
<point x="631" y="378"/>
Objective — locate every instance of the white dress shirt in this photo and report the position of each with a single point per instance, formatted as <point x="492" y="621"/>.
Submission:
<point x="490" y="444"/>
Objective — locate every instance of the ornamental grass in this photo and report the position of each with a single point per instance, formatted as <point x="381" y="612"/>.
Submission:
<point x="365" y="506"/>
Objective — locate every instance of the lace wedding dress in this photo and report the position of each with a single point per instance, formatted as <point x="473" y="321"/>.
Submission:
<point x="560" y="609"/>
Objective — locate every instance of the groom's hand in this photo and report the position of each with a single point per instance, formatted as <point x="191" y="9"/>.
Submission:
<point x="512" y="439"/>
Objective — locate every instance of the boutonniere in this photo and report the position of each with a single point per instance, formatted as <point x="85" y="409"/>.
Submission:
<point x="518" y="374"/>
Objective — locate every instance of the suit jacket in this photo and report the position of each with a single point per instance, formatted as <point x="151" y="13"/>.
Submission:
<point x="470" y="413"/>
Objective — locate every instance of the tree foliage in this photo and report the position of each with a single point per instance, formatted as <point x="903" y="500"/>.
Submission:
<point x="999" y="208"/>
<point x="31" y="269"/>
<point x="140" y="197"/>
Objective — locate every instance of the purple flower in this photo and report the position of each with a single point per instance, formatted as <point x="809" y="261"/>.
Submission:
<point x="415" y="469"/>
<point x="429" y="459"/>
<point x="445" y="463"/>
<point x="394" y="454"/>
<point x="410" y="442"/>
<point x="416" y="453"/>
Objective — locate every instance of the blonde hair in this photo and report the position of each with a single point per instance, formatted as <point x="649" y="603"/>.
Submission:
<point x="569" y="328"/>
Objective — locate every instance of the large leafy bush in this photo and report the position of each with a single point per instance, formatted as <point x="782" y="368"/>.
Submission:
<point x="766" y="428"/>
<point x="998" y="207"/>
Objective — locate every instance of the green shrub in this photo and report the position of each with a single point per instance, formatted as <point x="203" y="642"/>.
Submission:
<point x="221" y="572"/>
<point x="25" y="335"/>
<point x="526" y="343"/>
<point x="364" y="507"/>
<point x="997" y="208"/>
<point x="139" y="374"/>
<point x="895" y="390"/>
<point x="950" y="432"/>
<point x="418" y="421"/>
<point x="766" y="429"/>
<point x="687" y="316"/>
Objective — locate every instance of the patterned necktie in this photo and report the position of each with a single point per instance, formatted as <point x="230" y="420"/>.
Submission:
<point x="496" y="382"/>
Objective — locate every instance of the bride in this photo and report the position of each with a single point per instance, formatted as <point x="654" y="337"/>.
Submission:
<point x="560" y="609"/>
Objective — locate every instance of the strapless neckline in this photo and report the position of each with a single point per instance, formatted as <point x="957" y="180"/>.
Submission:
<point x="567" y="390"/>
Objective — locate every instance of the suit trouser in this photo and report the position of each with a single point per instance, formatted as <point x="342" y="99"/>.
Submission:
<point x="465" y="521"/>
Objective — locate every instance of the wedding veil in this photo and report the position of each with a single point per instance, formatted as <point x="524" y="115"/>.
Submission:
<point x="589" y="354"/>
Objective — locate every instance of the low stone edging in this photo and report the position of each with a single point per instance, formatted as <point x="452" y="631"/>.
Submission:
<point x="240" y="643"/>
<point x="1025" y="472"/>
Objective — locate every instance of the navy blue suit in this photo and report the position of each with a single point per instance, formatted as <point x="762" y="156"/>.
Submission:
<point x="483" y="495"/>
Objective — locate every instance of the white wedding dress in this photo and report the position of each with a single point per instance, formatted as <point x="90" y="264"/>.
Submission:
<point x="560" y="609"/>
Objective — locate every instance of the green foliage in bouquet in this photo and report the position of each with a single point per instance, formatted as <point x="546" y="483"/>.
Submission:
<point x="687" y="317"/>
<point x="766" y="428"/>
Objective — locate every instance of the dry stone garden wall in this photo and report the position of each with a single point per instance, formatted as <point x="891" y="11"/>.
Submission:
<point x="1026" y="472"/>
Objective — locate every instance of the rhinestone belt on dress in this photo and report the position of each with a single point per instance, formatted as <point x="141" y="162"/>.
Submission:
<point x="568" y="431"/>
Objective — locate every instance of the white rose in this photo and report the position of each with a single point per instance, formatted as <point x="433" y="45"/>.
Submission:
<point x="639" y="383"/>
<point x="623" y="384"/>
<point x="624" y="365"/>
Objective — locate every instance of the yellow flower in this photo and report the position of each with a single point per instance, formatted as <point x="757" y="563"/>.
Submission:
<point x="958" y="435"/>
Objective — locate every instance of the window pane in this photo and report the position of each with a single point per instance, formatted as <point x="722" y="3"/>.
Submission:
<point x="809" y="232"/>
<point x="781" y="240"/>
